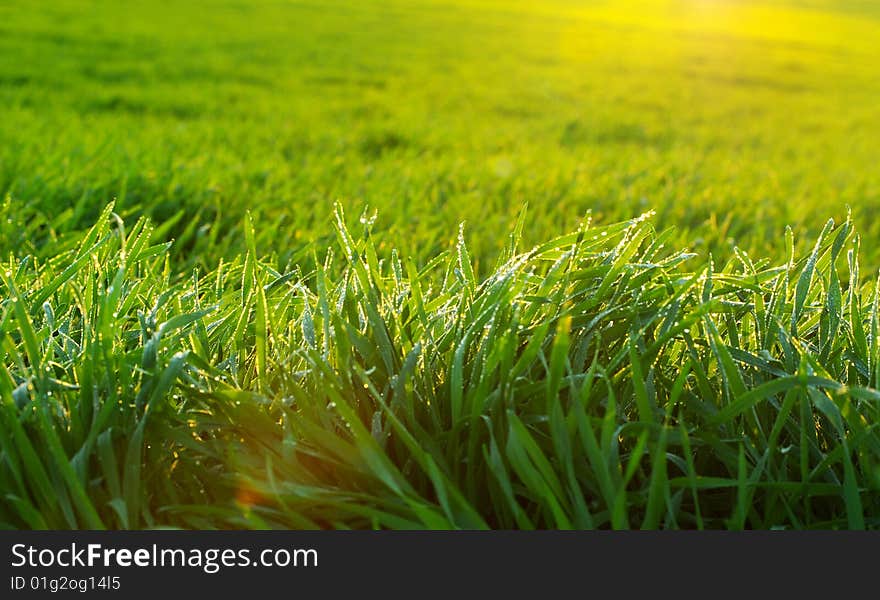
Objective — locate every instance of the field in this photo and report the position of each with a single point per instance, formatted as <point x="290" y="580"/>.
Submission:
<point x="440" y="264"/>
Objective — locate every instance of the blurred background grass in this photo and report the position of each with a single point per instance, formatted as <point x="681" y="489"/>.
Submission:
<point x="730" y="118"/>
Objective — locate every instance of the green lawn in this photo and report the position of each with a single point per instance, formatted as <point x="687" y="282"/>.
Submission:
<point x="381" y="264"/>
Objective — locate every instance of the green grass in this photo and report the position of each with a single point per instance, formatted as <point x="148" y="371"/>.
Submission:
<point x="197" y="330"/>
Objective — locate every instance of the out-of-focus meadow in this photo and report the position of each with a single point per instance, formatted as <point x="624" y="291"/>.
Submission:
<point x="731" y="119"/>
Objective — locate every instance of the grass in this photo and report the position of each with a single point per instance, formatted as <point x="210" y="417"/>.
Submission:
<point x="592" y="381"/>
<point x="197" y="330"/>
<point x="730" y="119"/>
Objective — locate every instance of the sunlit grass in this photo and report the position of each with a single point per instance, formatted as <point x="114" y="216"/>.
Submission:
<point x="197" y="330"/>
<point x="596" y="380"/>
